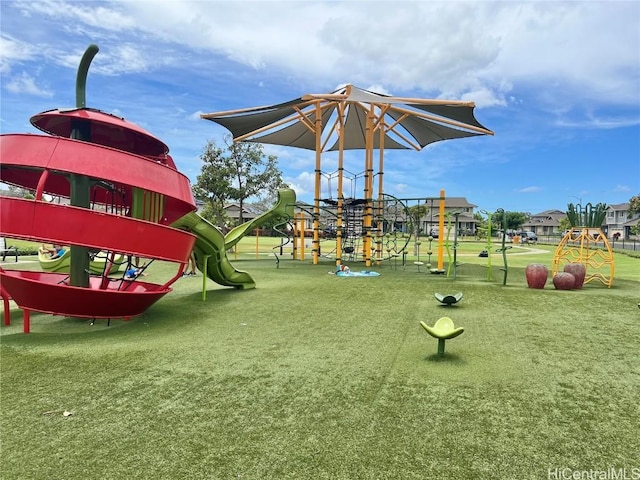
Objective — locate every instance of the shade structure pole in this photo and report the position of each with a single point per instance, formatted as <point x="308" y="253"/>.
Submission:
<point x="379" y="215"/>
<point x="368" y="184"/>
<point x="340" y="205"/>
<point x="316" y="201"/>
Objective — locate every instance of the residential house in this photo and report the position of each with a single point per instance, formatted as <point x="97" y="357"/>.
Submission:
<point x="455" y="209"/>
<point x="233" y="212"/>
<point x="619" y="221"/>
<point x="545" y="223"/>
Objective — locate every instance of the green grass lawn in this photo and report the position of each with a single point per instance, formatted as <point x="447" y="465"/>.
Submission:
<point x="313" y="376"/>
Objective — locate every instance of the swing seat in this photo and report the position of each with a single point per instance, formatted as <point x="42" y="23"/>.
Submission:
<point x="443" y="330"/>
<point x="449" y="299"/>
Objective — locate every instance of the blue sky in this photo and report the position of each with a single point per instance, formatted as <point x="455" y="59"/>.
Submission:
<point x="558" y="83"/>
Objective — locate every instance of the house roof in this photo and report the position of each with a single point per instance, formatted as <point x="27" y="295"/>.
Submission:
<point x="453" y="202"/>
<point x="632" y="222"/>
<point x="619" y="206"/>
<point x="236" y="206"/>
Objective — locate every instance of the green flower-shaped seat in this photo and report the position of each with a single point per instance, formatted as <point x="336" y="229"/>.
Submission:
<point x="449" y="299"/>
<point x="444" y="329"/>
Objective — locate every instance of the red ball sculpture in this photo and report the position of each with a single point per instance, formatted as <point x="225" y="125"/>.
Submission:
<point x="579" y="271"/>
<point x="564" y="281"/>
<point x="536" y="274"/>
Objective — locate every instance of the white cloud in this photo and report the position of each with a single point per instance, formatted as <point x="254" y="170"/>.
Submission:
<point x="532" y="189"/>
<point x="597" y="122"/>
<point x="25" y="84"/>
<point x="76" y="13"/>
<point x="303" y="184"/>
<point x="477" y="50"/>
<point x="196" y="115"/>
<point x="484" y="97"/>
<point x="622" y="188"/>
<point x="577" y="49"/>
<point x="13" y="51"/>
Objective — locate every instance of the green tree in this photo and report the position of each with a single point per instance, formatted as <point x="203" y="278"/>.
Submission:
<point x="212" y="184"/>
<point x="236" y="172"/>
<point x="481" y="225"/>
<point x="515" y="220"/>
<point x="565" y="224"/>
<point x="19" y="192"/>
<point x="417" y="212"/>
<point x="634" y="205"/>
<point x="634" y="208"/>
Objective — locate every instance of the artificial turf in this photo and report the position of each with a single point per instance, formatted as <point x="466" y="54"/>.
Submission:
<point x="314" y="376"/>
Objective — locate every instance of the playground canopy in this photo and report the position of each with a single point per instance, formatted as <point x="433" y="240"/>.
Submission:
<point x="352" y="118"/>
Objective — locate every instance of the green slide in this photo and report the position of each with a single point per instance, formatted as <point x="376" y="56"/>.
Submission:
<point x="284" y="208"/>
<point x="212" y="243"/>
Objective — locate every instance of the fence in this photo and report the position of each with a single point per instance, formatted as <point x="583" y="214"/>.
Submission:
<point x="632" y="244"/>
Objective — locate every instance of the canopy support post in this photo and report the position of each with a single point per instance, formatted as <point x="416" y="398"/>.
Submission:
<point x="316" y="201"/>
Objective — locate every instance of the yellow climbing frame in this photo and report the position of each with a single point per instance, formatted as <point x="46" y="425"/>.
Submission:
<point x="590" y="247"/>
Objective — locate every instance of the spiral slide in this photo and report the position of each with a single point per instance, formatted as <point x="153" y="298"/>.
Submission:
<point x="213" y="245"/>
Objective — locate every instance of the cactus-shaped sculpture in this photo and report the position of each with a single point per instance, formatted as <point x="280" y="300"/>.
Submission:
<point x="585" y="243"/>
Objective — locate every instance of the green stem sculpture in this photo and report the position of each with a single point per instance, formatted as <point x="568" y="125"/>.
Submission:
<point x="447" y="244"/>
<point x="504" y="247"/>
<point x="80" y="184"/>
<point x="488" y="243"/>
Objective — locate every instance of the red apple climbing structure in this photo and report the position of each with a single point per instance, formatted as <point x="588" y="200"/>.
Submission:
<point x="133" y="193"/>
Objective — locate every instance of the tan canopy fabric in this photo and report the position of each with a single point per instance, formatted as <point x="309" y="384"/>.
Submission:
<point x="408" y="123"/>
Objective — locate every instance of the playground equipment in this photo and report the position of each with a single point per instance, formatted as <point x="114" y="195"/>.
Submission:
<point x="97" y="263"/>
<point x="284" y="228"/>
<point x="418" y="263"/>
<point x="503" y="249"/>
<point x="429" y="252"/>
<point x="585" y="243"/>
<point x="443" y="330"/>
<point x="126" y="198"/>
<point x="487" y="251"/>
<point x="453" y="262"/>
<point x="449" y="299"/>
<point x="350" y="119"/>
<point x="211" y="245"/>
<point x="119" y="179"/>
<point x="489" y="246"/>
<point x="391" y="232"/>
